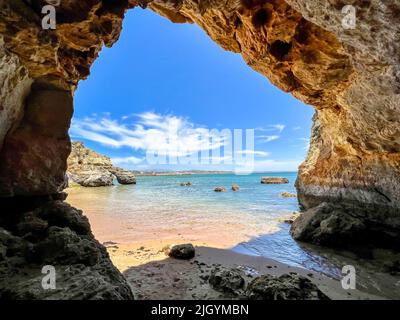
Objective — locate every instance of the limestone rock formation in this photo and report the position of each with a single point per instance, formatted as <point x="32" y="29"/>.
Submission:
<point x="342" y="226"/>
<point x="123" y="176"/>
<point x="33" y="155"/>
<point x="288" y="195"/>
<point x="235" y="188"/>
<point x="350" y="75"/>
<point x="220" y="189"/>
<point x="289" y="219"/>
<point x="274" y="180"/>
<point x="227" y="281"/>
<point x="90" y="169"/>
<point x="82" y="157"/>
<point x="285" y="287"/>
<point x="91" y="178"/>
<point x="37" y="232"/>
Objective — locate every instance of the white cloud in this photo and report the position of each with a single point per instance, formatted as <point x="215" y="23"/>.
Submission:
<point x="167" y="134"/>
<point x="173" y="136"/>
<point x="296" y="128"/>
<point x="270" y="128"/>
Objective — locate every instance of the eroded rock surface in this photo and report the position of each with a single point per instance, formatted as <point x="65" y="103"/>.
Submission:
<point x="285" y="287"/>
<point x="227" y="281"/>
<point x="38" y="232"/>
<point x="15" y="84"/>
<point x="180" y="251"/>
<point x="220" y="189"/>
<point x="339" y="225"/>
<point x="33" y="157"/>
<point x="123" y="176"/>
<point x="288" y="195"/>
<point x="274" y="180"/>
<point x="91" y="169"/>
<point x="235" y="188"/>
<point x="350" y="76"/>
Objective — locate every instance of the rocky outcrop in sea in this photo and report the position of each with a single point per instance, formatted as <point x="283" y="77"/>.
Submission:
<point x="274" y="180"/>
<point x="220" y="189"/>
<point x="88" y="168"/>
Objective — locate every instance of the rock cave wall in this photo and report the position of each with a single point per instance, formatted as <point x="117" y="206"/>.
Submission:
<point x="351" y="77"/>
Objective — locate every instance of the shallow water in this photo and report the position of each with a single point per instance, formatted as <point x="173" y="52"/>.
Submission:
<point x="158" y="208"/>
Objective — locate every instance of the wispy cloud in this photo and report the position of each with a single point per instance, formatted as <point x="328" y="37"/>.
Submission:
<point x="172" y="136"/>
<point x="274" y="129"/>
<point x="167" y="134"/>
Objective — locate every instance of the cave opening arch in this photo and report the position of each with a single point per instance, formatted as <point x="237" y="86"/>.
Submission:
<point x="350" y="79"/>
<point x="183" y="74"/>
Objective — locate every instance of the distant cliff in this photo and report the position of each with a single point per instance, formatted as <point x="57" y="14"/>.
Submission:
<point x="91" y="169"/>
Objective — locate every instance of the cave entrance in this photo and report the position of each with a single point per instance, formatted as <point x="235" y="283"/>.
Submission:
<point x="189" y="85"/>
<point x="160" y="76"/>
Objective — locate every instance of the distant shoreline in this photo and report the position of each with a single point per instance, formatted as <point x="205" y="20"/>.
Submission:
<point x="178" y="173"/>
<point x="197" y="172"/>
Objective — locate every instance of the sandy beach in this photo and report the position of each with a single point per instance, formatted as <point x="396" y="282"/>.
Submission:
<point x="135" y="231"/>
<point x="153" y="275"/>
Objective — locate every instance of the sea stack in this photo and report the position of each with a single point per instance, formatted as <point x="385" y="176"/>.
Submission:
<point x="288" y="195"/>
<point x="220" y="189"/>
<point x="235" y="188"/>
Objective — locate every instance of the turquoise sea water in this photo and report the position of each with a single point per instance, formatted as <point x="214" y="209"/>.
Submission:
<point x="247" y="221"/>
<point x="254" y="197"/>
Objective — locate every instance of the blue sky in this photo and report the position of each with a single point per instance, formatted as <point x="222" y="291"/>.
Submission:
<point x="161" y="74"/>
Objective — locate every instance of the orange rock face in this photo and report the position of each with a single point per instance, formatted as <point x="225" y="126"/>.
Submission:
<point x="350" y="76"/>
